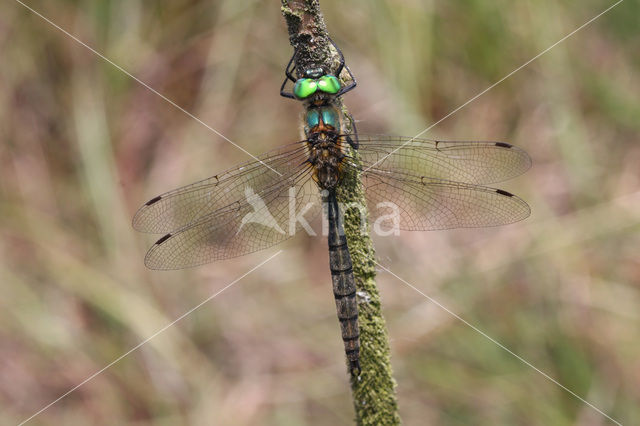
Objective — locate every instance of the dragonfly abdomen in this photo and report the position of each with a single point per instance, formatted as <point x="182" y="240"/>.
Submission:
<point x="344" y="285"/>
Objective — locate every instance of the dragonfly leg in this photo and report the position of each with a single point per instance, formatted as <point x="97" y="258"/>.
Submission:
<point x="342" y="65"/>
<point x="340" y="56"/>
<point x="288" y="72"/>
<point x="353" y="141"/>
<point x="349" y="86"/>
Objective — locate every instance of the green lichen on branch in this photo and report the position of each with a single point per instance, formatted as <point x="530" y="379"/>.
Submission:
<point x="373" y="390"/>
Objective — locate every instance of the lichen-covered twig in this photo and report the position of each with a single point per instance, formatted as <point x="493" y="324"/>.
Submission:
<point x="373" y="389"/>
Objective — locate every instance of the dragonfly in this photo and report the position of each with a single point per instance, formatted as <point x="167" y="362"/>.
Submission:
<point x="412" y="184"/>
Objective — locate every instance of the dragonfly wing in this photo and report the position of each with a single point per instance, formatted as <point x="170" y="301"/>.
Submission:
<point x="177" y="208"/>
<point x="260" y="220"/>
<point x="474" y="162"/>
<point x="415" y="203"/>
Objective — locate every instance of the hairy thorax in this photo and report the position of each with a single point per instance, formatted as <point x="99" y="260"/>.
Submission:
<point x="325" y="156"/>
<point x="326" y="147"/>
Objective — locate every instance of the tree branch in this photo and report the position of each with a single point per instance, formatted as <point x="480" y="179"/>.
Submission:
<point x="373" y="390"/>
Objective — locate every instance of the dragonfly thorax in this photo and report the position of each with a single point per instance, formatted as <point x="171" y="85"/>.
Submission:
<point x="326" y="156"/>
<point x="322" y="119"/>
<point x="322" y="128"/>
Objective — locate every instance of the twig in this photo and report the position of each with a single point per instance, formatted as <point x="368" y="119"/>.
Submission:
<point x="373" y="389"/>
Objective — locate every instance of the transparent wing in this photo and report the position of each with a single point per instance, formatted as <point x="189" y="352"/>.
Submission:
<point x="462" y="161"/>
<point x="260" y="220"/>
<point x="424" y="203"/>
<point x="177" y="208"/>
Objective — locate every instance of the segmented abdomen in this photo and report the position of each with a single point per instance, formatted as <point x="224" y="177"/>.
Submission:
<point x="344" y="285"/>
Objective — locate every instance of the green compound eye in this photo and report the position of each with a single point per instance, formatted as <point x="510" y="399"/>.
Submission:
<point x="329" y="84"/>
<point x="304" y="88"/>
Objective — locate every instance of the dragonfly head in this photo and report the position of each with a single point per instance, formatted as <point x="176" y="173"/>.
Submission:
<point x="316" y="86"/>
<point x="314" y="73"/>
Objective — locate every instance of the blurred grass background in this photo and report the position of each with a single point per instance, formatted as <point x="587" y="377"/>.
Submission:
<point x="83" y="146"/>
